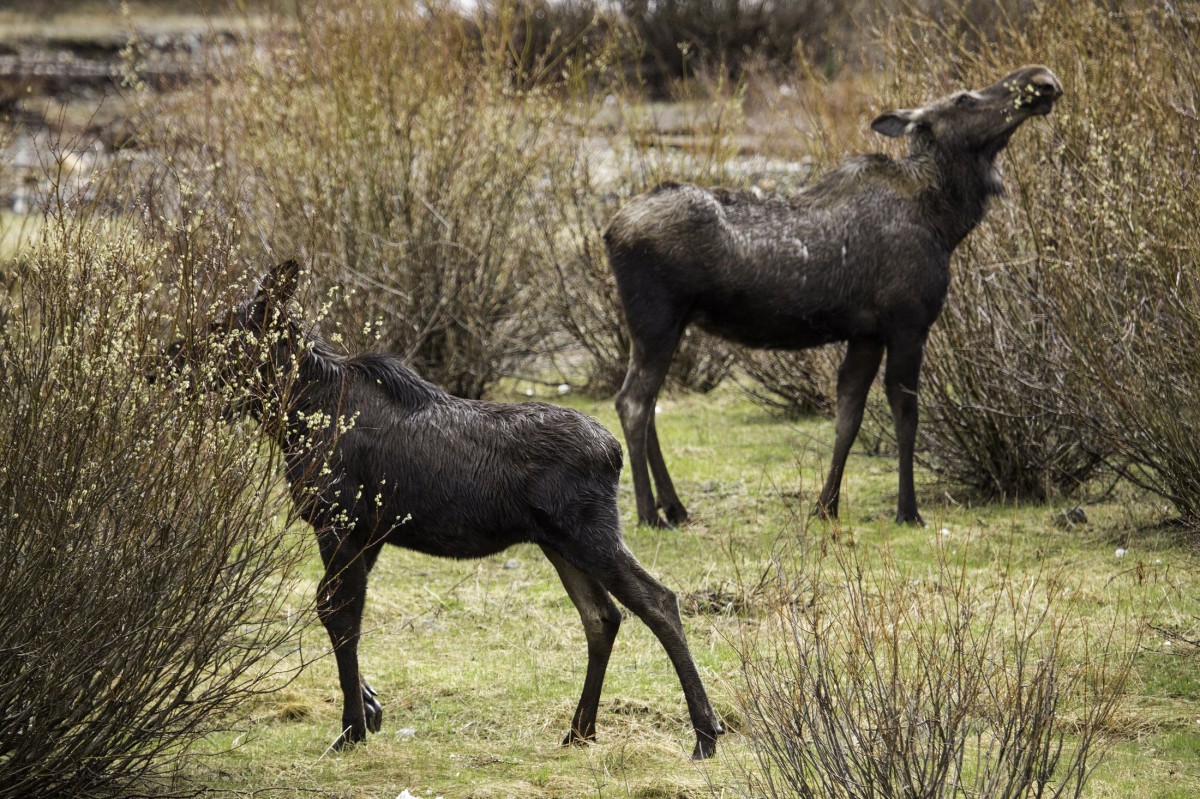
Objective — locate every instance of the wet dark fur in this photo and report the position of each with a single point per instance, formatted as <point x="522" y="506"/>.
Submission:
<point x="862" y="256"/>
<point x="428" y="471"/>
<point x="375" y="454"/>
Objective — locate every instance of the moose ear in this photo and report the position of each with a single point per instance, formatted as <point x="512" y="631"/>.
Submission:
<point x="900" y="122"/>
<point x="279" y="285"/>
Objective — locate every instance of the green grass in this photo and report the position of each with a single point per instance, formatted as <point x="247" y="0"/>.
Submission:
<point x="479" y="663"/>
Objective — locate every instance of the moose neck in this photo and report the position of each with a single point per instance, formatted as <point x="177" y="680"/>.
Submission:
<point x="302" y="383"/>
<point x="962" y="185"/>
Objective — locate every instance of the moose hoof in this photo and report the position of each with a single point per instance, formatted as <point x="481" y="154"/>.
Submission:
<point x="578" y="739"/>
<point x="348" y="739"/>
<point x="825" y="513"/>
<point x="706" y="741"/>
<point x="654" y="520"/>
<point x="676" y="515"/>
<point x="372" y="710"/>
<point x="374" y="714"/>
<point x="912" y="520"/>
<point x="706" y="745"/>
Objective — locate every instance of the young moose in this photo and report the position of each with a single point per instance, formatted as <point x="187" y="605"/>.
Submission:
<point x="861" y="256"/>
<point x="377" y="455"/>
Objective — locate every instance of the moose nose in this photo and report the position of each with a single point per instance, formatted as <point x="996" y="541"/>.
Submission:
<point x="1046" y="83"/>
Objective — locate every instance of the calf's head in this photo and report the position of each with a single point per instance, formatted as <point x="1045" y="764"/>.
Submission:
<point x="976" y="122"/>
<point x="248" y="350"/>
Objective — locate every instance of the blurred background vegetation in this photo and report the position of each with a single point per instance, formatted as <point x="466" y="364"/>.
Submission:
<point x="446" y="170"/>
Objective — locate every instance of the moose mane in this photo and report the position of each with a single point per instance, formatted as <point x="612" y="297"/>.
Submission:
<point x="854" y="176"/>
<point x="320" y="364"/>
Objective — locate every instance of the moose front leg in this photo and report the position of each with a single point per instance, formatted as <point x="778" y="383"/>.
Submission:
<point x="900" y="379"/>
<point x="340" y="599"/>
<point x="854" y="381"/>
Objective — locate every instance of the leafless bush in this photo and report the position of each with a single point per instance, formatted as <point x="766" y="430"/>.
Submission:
<point x="660" y="42"/>
<point x="622" y="150"/>
<point x="1119" y="261"/>
<point x="549" y="37"/>
<point x="998" y="402"/>
<point x="795" y="384"/>
<point x="874" y="682"/>
<point x="401" y="161"/>
<point x="677" y="36"/>
<point x="142" y="570"/>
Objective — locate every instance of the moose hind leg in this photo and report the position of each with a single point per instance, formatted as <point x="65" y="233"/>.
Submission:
<point x="855" y="374"/>
<point x="601" y="621"/>
<point x="656" y="605"/>
<point x="649" y="360"/>
<point x="668" y="500"/>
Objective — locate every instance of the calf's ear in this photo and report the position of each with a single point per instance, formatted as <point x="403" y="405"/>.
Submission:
<point x="274" y="291"/>
<point x="900" y="122"/>
<point x="279" y="285"/>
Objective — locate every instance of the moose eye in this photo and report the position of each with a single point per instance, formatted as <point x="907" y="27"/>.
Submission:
<point x="965" y="100"/>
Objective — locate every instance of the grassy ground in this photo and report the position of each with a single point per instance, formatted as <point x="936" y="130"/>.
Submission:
<point x="479" y="663"/>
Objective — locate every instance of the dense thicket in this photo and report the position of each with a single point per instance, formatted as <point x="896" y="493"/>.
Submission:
<point x="142" y="567"/>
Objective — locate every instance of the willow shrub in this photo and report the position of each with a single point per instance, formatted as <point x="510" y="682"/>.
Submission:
<point x="793" y="384"/>
<point x="392" y="147"/>
<point x="143" y="568"/>
<point x="866" y="680"/>
<point x="444" y="187"/>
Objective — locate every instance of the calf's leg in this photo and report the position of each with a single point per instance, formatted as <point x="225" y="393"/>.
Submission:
<point x="340" y="599"/>
<point x="855" y="374"/>
<point x="656" y="605"/>
<point x="601" y="620"/>
<point x="594" y="547"/>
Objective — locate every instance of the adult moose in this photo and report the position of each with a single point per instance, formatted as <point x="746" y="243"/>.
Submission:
<point x="860" y="256"/>
<point x="375" y="454"/>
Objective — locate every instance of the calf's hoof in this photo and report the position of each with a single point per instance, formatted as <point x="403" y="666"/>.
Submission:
<point x="348" y="739"/>
<point x="912" y="519"/>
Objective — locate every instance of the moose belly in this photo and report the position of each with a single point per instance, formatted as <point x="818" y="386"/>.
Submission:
<point x="449" y="535"/>
<point x="771" y="326"/>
